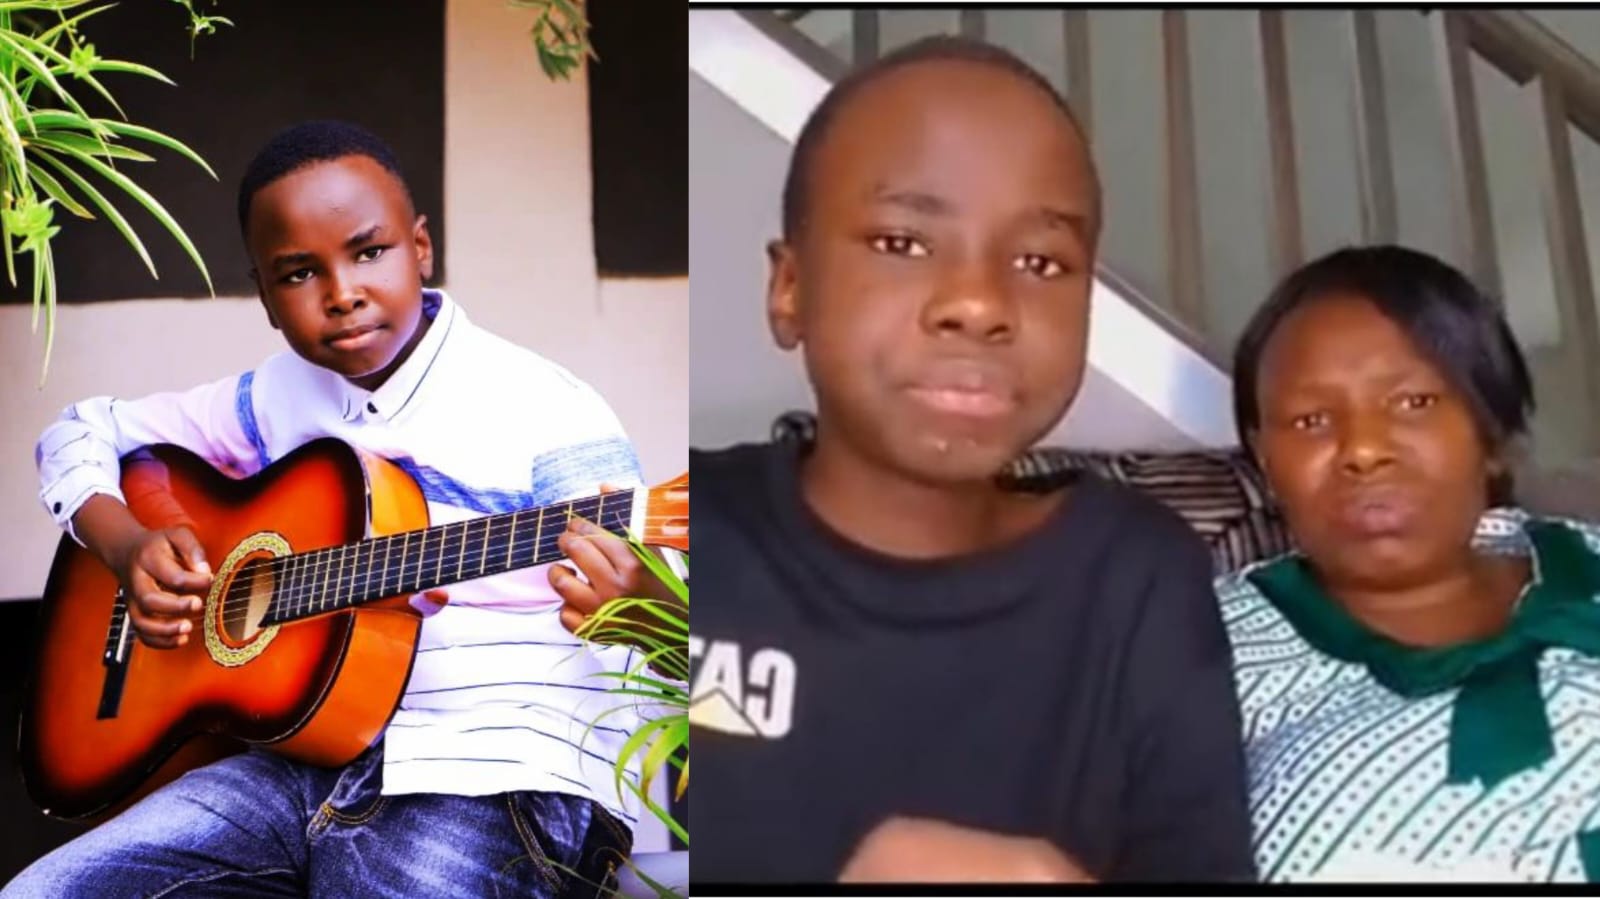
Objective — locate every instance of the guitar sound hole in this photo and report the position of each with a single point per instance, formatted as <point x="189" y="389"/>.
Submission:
<point x="245" y="602"/>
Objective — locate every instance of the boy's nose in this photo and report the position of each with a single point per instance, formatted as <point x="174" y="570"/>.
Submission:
<point x="343" y="295"/>
<point x="973" y="302"/>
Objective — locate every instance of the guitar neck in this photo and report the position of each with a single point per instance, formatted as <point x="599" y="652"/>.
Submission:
<point x="341" y="577"/>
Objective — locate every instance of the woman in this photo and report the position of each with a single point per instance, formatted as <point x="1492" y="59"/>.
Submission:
<point x="1420" y="681"/>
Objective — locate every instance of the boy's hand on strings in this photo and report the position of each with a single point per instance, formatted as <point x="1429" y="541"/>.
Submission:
<point x="612" y="571"/>
<point x="165" y="576"/>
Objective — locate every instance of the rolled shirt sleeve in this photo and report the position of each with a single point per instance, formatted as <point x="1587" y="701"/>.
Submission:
<point x="80" y="453"/>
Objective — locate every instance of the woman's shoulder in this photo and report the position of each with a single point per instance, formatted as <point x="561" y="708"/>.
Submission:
<point x="1238" y="595"/>
<point x="1506" y="528"/>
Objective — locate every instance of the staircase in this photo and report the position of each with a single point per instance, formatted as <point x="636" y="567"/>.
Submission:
<point x="1235" y="144"/>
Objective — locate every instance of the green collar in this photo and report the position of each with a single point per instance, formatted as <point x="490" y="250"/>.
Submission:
<point x="1498" y="724"/>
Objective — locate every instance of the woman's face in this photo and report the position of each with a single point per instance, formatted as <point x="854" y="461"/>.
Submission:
<point x="1372" y="452"/>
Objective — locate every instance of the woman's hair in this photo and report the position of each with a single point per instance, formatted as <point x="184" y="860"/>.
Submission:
<point x="1455" y="325"/>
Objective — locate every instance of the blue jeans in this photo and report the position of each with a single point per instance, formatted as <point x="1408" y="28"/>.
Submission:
<point x="260" y="825"/>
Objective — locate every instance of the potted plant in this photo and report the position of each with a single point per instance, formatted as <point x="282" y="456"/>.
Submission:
<point x="56" y="155"/>
<point x="560" y="35"/>
<point x="659" y="679"/>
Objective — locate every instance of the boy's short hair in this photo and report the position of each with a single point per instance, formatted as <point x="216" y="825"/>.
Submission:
<point x="938" y="48"/>
<point x="1456" y="326"/>
<point x="300" y="145"/>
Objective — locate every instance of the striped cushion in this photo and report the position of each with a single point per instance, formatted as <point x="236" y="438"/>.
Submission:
<point x="1220" y="493"/>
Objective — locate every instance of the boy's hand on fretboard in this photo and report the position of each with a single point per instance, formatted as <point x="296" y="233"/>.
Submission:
<point x="612" y="571"/>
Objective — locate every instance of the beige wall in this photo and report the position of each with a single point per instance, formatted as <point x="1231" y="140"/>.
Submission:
<point x="520" y="260"/>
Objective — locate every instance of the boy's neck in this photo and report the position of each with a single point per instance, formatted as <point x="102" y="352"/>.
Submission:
<point x="895" y="514"/>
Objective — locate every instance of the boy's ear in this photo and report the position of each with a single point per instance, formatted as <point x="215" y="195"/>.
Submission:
<point x="261" y="294"/>
<point x="783" y="304"/>
<point x="424" y="244"/>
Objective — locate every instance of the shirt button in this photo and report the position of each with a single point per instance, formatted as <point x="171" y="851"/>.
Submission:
<point x="373" y="408"/>
<point x="58" y="508"/>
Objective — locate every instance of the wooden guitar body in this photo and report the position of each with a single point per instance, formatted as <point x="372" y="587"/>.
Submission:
<point x="106" y="719"/>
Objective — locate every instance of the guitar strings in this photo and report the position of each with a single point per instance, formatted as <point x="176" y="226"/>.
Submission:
<point x="335" y="560"/>
<point x="338" y="571"/>
<point x="359" y="585"/>
<point x="327" y="559"/>
<point x="468" y="547"/>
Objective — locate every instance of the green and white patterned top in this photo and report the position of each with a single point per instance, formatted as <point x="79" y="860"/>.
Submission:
<point x="1352" y="781"/>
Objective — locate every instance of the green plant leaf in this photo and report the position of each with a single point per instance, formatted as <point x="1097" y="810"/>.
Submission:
<point x="668" y="740"/>
<point x="10" y="6"/>
<point x="656" y="608"/>
<point x="9" y="136"/>
<point x="62" y="120"/>
<point x="626" y="707"/>
<point x="11" y="264"/>
<point x="23" y="47"/>
<point x="40" y="282"/>
<point x="53" y="188"/>
<point x="126" y="129"/>
<point x="50" y="311"/>
<point x="662" y="740"/>
<point x="608" y="630"/>
<point x="663" y="571"/>
<point x="104" y="206"/>
<point x="12" y="168"/>
<point x="664" y="689"/>
<point x="662" y="891"/>
<point x="68" y="142"/>
<point x="154" y="207"/>
<point x="661" y="814"/>
<point x="60" y="29"/>
<point x="637" y="741"/>
<point x="131" y="68"/>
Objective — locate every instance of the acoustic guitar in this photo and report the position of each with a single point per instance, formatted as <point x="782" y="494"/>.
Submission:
<point x="307" y="636"/>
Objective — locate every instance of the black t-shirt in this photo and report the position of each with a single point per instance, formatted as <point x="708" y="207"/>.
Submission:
<point x="1074" y="684"/>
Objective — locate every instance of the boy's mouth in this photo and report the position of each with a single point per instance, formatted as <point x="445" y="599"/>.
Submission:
<point x="354" y="338"/>
<point x="975" y="403"/>
<point x="964" y="387"/>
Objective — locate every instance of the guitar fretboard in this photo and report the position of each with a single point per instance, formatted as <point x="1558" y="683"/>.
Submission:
<point x="340" y="577"/>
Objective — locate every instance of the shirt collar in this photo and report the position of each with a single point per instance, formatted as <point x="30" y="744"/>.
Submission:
<point x="396" y="393"/>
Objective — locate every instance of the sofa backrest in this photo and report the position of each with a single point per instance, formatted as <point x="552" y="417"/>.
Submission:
<point x="1220" y="493"/>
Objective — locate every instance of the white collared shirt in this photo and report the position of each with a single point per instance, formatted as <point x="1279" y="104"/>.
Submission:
<point x="501" y="696"/>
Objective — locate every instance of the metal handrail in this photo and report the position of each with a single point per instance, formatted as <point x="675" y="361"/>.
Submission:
<point x="830" y="67"/>
<point x="1564" y="82"/>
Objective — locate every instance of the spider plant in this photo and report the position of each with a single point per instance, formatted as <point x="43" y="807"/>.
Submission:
<point x="659" y="679"/>
<point x="54" y="154"/>
<point x="560" y="35"/>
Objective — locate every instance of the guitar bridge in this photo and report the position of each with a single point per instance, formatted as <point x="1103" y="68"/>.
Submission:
<point x="119" y="648"/>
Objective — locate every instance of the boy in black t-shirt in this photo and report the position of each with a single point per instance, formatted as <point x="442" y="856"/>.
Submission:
<point x="901" y="671"/>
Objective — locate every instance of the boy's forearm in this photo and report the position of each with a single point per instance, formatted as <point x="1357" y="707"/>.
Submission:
<point x="105" y="526"/>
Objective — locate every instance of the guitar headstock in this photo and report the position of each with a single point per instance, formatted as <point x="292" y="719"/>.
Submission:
<point x="666" y="515"/>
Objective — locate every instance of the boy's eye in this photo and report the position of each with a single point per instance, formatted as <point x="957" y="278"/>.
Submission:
<point x="1309" y="421"/>
<point x="298" y="276"/>
<point x="1415" y="401"/>
<point x="899" y="245"/>
<point x="370" y="253"/>
<point x="1039" y="265"/>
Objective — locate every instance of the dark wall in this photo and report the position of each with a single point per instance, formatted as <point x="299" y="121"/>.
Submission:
<point x="378" y="63"/>
<point x="639" y="116"/>
<point x="25" y="832"/>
